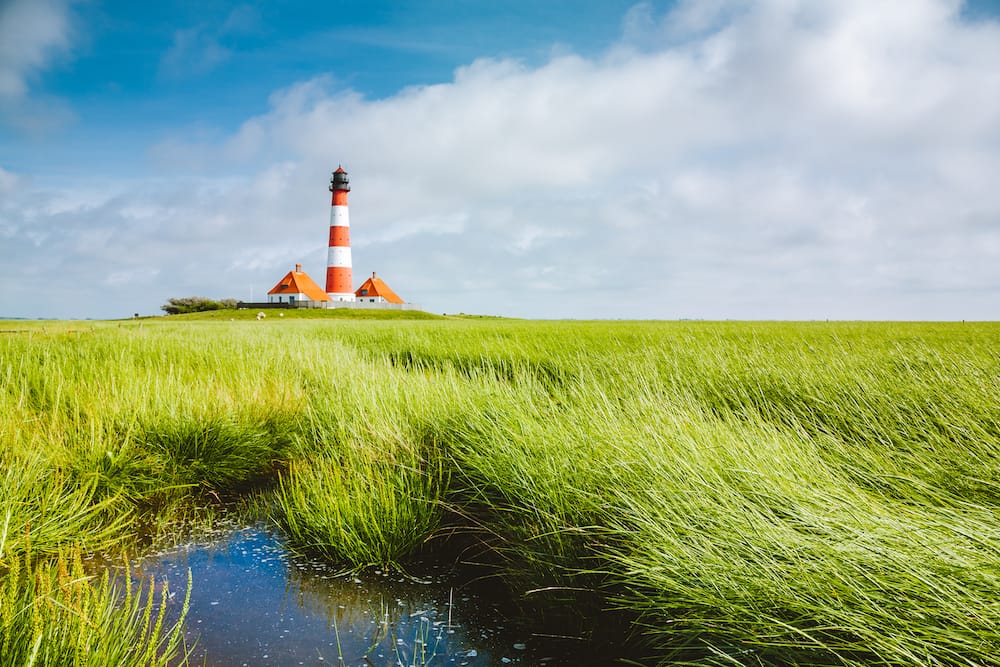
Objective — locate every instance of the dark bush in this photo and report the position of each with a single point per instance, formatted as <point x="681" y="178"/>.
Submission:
<point x="196" y="304"/>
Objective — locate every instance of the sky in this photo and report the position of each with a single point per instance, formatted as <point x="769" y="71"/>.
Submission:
<point x="703" y="159"/>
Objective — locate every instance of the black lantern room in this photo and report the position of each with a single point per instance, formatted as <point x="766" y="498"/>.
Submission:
<point x="340" y="181"/>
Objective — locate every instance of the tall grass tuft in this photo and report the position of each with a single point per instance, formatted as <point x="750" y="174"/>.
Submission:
<point x="368" y="486"/>
<point x="42" y="509"/>
<point x="53" y="613"/>
<point x="360" y="511"/>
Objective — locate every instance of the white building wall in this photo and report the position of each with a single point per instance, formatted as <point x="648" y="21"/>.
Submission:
<point x="283" y="298"/>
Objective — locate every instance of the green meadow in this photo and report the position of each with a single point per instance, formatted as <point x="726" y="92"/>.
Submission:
<point x="698" y="493"/>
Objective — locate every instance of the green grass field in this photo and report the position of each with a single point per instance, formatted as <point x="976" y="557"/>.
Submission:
<point x="702" y="493"/>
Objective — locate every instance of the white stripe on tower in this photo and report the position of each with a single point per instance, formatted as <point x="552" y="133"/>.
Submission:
<point x="338" y="259"/>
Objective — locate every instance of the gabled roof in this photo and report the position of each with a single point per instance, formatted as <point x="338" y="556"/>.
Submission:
<point x="375" y="286"/>
<point x="299" y="282"/>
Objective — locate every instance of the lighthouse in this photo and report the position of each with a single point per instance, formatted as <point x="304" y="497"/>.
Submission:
<point x="338" y="259"/>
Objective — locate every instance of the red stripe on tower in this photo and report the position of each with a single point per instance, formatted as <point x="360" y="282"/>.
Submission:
<point x="338" y="261"/>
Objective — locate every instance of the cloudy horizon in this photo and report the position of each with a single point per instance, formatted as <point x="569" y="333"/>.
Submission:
<point x="656" y="160"/>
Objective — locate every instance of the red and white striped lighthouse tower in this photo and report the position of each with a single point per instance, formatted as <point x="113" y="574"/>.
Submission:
<point x="338" y="260"/>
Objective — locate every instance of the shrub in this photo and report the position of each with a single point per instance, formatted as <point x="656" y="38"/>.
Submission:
<point x="196" y="304"/>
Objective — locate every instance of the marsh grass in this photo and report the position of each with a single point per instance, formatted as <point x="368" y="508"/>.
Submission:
<point x="354" y="509"/>
<point x="705" y="493"/>
<point x="42" y="509"/>
<point x="53" y="613"/>
<point x="368" y="482"/>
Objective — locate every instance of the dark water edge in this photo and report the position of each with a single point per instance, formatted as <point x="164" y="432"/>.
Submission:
<point x="253" y="602"/>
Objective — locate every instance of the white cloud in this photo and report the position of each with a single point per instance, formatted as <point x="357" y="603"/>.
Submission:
<point x="199" y="49"/>
<point x="194" y="51"/>
<point x="141" y="276"/>
<point x="727" y="159"/>
<point x="33" y="35"/>
<point x="8" y="181"/>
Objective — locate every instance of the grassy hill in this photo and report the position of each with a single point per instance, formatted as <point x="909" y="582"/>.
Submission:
<point x="308" y="314"/>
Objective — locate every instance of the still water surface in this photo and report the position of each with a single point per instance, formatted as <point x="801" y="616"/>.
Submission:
<point x="254" y="603"/>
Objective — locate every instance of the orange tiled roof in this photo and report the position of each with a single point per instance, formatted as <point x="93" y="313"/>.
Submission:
<point x="374" y="287"/>
<point x="299" y="282"/>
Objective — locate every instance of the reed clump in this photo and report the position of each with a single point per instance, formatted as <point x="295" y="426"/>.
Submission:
<point x="53" y="613"/>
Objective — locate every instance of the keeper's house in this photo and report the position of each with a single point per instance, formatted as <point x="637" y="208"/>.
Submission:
<point x="374" y="290"/>
<point x="297" y="289"/>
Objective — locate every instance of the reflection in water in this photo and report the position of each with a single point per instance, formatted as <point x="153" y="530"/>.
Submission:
<point x="254" y="604"/>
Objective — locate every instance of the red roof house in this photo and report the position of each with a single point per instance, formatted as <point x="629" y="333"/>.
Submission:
<point x="374" y="290"/>
<point x="296" y="287"/>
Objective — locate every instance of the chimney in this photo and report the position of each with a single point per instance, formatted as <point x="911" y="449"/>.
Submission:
<point x="373" y="275"/>
<point x="298" y="268"/>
